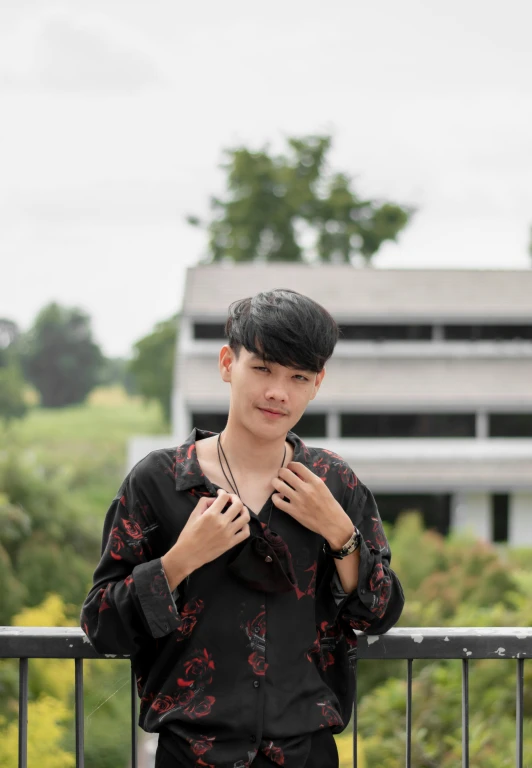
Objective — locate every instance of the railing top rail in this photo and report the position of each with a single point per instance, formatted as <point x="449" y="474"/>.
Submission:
<point x="398" y="643"/>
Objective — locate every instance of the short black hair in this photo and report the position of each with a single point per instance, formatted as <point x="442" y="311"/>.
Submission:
<point x="283" y="326"/>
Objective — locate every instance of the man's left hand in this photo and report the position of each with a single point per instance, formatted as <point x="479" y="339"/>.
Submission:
<point x="311" y="503"/>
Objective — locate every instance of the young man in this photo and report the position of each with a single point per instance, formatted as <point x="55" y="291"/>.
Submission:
<point x="236" y="567"/>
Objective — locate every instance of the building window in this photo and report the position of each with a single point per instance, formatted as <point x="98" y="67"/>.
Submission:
<point x="499" y="517"/>
<point x="435" y="509"/>
<point x="510" y="424"/>
<point x="401" y="425"/>
<point x="212" y="422"/>
<point x="381" y="332"/>
<point x="311" y="425"/>
<point x="209" y="331"/>
<point x="485" y="332"/>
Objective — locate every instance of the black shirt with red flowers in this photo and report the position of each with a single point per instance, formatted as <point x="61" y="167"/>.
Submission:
<point x="253" y="651"/>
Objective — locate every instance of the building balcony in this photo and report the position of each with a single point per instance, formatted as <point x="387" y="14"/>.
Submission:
<point x="461" y="644"/>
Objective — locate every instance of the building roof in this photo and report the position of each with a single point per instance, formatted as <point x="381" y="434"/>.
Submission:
<point x="350" y="292"/>
<point x="465" y="384"/>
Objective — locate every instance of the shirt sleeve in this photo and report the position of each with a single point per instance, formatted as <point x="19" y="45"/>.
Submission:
<point x="130" y="601"/>
<point x="376" y="603"/>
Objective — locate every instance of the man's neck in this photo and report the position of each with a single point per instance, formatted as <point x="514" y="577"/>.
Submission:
<point x="248" y="453"/>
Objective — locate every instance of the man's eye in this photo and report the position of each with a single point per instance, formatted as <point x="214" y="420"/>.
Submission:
<point x="260" y="368"/>
<point x="301" y="377"/>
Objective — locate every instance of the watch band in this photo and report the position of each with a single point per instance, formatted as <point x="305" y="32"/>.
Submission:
<point x="349" y="547"/>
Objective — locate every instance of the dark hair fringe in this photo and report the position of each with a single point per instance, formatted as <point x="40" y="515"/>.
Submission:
<point x="283" y="326"/>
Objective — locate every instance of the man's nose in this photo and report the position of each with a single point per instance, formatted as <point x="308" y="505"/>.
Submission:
<point x="276" y="393"/>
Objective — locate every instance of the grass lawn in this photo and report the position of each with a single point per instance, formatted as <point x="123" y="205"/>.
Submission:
<point x="88" y="441"/>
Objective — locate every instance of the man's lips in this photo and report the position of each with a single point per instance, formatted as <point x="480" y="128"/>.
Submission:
<point x="274" y="413"/>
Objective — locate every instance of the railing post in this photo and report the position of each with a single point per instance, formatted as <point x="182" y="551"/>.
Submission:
<point x="134" y="742"/>
<point x="23" y="713"/>
<point x="465" y="713"/>
<point x="519" y="713"/>
<point x="409" y="714"/>
<point x="354" y="664"/>
<point x="78" y="694"/>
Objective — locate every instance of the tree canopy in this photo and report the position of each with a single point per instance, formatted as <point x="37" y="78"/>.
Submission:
<point x="273" y="202"/>
<point x="12" y="403"/>
<point x="152" y="365"/>
<point x="59" y="356"/>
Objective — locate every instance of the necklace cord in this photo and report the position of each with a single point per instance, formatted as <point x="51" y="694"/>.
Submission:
<point x="234" y="486"/>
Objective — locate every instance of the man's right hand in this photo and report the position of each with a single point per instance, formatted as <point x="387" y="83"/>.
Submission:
<point x="208" y="533"/>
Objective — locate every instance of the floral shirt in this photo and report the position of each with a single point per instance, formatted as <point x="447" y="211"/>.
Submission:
<point x="253" y="650"/>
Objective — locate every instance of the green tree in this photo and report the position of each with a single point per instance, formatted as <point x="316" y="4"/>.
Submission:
<point x="45" y="544"/>
<point x="270" y="199"/>
<point x="12" y="403"/>
<point x="47" y="730"/>
<point x="9" y="333"/>
<point x="51" y="730"/>
<point x="153" y="363"/>
<point x="59" y="356"/>
<point x="115" y="370"/>
<point x="452" y="582"/>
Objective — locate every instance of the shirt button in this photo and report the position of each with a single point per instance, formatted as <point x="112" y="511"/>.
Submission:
<point x="362" y="591"/>
<point x="256" y="683"/>
<point x="267" y="559"/>
<point x="252" y="738"/>
<point x="166" y="627"/>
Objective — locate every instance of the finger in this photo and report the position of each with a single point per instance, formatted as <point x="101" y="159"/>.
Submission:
<point x="203" y="504"/>
<point x="233" y="512"/>
<point x="222" y="500"/>
<point x="240" y="520"/>
<point x="290" y="478"/>
<point x="283" y="488"/>
<point x="285" y="506"/>
<point x="242" y="534"/>
<point x="209" y="501"/>
<point x="301" y="470"/>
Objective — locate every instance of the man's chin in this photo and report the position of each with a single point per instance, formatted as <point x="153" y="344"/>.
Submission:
<point x="269" y="426"/>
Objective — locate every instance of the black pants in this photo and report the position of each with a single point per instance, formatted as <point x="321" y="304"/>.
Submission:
<point x="323" y="754"/>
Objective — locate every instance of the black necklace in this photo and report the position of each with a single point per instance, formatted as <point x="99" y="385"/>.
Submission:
<point x="233" y="485"/>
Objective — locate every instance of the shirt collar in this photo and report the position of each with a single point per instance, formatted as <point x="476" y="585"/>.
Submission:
<point x="187" y="469"/>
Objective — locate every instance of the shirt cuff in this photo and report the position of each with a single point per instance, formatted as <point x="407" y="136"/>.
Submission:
<point x="337" y="589"/>
<point x="158" y="603"/>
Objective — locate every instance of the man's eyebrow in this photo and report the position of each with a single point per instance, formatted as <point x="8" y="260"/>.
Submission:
<point x="254" y="357"/>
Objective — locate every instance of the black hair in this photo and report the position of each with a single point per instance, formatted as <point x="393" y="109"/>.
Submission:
<point x="283" y="326"/>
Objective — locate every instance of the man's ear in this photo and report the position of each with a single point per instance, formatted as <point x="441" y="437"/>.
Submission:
<point x="226" y="360"/>
<point x="317" y="383"/>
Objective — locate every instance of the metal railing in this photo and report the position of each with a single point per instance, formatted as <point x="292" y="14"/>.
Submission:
<point x="408" y="644"/>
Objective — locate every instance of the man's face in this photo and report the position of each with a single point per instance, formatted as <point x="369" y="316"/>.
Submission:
<point x="267" y="398"/>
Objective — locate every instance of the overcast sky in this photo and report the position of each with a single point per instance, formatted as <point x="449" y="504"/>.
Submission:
<point x="114" y="116"/>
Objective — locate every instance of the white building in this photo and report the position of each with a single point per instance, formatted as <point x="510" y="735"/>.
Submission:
<point x="428" y="395"/>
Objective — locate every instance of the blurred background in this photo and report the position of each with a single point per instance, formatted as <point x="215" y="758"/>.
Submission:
<point x="157" y="162"/>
